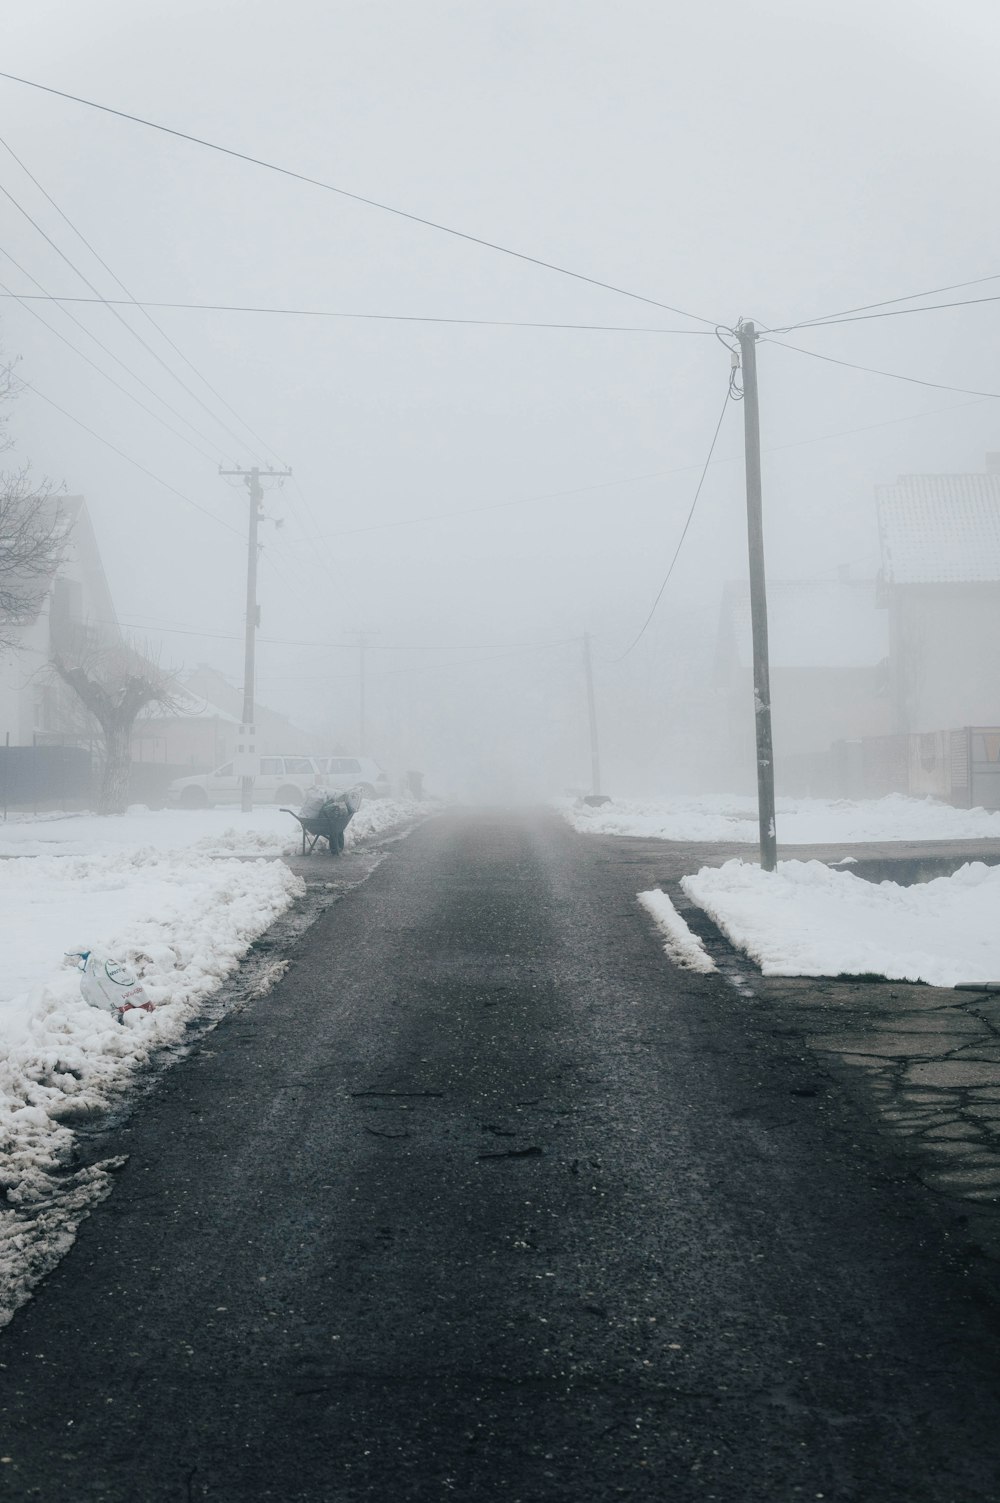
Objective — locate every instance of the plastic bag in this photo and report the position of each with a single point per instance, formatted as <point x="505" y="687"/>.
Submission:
<point x="313" y="803"/>
<point x="110" y="986"/>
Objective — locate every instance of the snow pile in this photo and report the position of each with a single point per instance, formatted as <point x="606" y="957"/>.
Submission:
<point x="380" y="816"/>
<point x="684" y="948"/>
<point x="806" y="919"/>
<point x="264" y="831"/>
<point x="799" y="821"/>
<point x="182" y="922"/>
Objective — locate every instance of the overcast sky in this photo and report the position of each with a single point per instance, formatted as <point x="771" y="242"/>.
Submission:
<point x="772" y="160"/>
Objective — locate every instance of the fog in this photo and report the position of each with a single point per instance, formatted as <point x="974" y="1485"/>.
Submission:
<point x="474" y="498"/>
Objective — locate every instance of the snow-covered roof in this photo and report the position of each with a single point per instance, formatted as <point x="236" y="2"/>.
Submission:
<point x="940" y="529"/>
<point x="830" y="623"/>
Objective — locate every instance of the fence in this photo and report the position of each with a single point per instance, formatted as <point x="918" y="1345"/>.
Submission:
<point x="33" y="776"/>
<point x="960" y="767"/>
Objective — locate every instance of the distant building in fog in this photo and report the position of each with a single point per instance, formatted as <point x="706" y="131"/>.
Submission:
<point x="201" y="730"/>
<point x="940" y="582"/>
<point x="829" y="645"/>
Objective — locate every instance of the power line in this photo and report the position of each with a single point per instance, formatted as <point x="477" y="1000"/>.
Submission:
<point x="400" y="318"/>
<point x="358" y="198"/>
<point x="820" y="438"/>
<point x="872" y="371"/>
<point x="459" y="513"/>
<point x="192" y="631"/>
<point x="863" y="318"/>
<point x="131" y="301"/>
<point x="126" y="325"/>
<point x="684" y="530"/>
<point x="313" y="522"/>
<point x="30" y="386"/>
<point x="889" y="301"/>
<point x="26" y="299"/>
<point x="117" y="358"/>
<point x="107" y="376"/>
<point x="429" y="669"/>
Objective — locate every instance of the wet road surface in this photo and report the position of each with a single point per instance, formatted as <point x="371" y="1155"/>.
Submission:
<point x="487" y="1200"/>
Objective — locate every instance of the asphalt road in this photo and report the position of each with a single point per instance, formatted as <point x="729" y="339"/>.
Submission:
<point x="486" y="1200"/>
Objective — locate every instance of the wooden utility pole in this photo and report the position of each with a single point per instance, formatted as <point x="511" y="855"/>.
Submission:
<point x="252" y="479"/>
<point x="595" y="758"/>
<point x="747" y="336"/>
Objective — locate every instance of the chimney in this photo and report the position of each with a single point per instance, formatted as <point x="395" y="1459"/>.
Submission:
<point x="993" y="463"/>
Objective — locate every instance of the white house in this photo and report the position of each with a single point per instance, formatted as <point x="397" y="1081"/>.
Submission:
<point x="940" y="581"/>
<point x="34" y="707"/>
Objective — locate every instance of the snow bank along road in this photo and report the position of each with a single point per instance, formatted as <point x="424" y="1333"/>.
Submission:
<point x="156" y="890"/>
<point x="487" y="1199"/>
<point x="806" y="919"/>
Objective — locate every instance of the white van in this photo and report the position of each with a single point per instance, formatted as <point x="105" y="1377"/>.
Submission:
<point x="341" y="773"/>
<point x="282" y="780"/>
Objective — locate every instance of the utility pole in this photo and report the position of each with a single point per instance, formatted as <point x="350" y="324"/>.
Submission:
<point x="248" y="735"/>
<point x="595" y="757"/>
<point x="746" y="333"/>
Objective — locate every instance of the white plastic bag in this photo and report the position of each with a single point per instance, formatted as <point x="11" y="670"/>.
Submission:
<point x="313" y="802"/>
<point x="110" y="986"/>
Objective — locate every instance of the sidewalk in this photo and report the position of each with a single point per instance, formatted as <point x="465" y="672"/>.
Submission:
<point x="925" y="1060"/>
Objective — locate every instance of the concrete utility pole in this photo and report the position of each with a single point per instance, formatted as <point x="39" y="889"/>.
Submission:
<point x="595" y="756"/>
<point x="747" y="336"/>
<point x="248" y="734"/>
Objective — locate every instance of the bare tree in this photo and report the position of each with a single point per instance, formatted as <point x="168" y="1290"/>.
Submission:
<point x="114" y="683"/>
<point x="33" y="537"/>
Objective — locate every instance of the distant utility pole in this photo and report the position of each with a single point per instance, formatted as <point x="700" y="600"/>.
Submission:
<point x="595" y="756"/>
<point x="747" y="336"/>
<point x="252" y="480"/>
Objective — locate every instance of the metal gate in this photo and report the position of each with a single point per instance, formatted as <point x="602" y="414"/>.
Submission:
<point x="984" y="766"/>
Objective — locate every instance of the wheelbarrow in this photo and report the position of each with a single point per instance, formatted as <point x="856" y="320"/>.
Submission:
<point x="326" y="818"/>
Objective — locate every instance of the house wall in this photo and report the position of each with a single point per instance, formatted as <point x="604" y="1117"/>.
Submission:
<point x="945" y="656"/>
<point x="32" y="702"/>
<point x="198" y="744"/>
<point x="811" y="708"/>
<point x="24" y="681"/>
<point x="276" y="736"/>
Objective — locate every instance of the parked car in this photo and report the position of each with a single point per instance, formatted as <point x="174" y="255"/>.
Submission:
<point x="282" y="780"/>
<point x="341" y="773"/>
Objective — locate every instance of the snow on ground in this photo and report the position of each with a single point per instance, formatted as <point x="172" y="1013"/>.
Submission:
<point x="683" y="947"/>
<point x="807" y="919"/>
<point x="799" y="821"/>
<point x="149" y="889"/>
<point x="265" y="830"/>
<point x="182" y="922"/>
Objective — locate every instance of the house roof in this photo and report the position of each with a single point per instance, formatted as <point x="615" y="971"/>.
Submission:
<point x="187" y="706"/>
<point x="940" y="529"/>
<point x="833" y="623"/>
